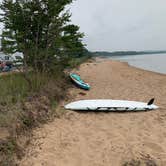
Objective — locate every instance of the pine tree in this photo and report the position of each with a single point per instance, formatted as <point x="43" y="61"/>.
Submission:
<point x="40" y="29"/>
<point x="71" y="39"/>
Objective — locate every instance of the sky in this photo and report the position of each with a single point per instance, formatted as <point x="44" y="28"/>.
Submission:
<point x="112" y="25"/>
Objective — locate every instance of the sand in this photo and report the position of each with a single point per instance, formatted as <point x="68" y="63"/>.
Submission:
<point x="105" y="139"/>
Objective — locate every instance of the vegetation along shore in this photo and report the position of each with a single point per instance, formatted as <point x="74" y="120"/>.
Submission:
<point x="42" y="32"/>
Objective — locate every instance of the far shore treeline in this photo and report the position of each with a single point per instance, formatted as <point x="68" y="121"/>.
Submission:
<point x="121" y="53"/>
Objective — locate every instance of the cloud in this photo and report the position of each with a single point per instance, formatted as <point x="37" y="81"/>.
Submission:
<point x="121" y="25"/>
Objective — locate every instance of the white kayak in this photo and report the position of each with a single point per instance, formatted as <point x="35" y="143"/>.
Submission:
<point x="111" y="105"/>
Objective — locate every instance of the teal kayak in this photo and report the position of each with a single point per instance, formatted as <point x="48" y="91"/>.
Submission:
<point x="79" y="82"/>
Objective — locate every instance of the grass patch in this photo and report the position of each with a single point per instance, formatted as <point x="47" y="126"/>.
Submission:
<point x="9" y="151"/>
<point x="143" y="161"/>
<point x="13" y="88"/>
<point x="77" y="61"/>
<point x="22" y="108"/>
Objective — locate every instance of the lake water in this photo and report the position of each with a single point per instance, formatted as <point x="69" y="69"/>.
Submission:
<point x="151" y="62"/>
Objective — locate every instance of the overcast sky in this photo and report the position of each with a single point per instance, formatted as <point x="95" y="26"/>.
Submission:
<point x="112" y="25"/>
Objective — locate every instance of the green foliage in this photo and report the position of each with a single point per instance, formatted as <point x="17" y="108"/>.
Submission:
<point x="77" y="61"/>
<point x="41" y="30"/>
<point x="14" y="88"/>
<point x="71" y="39"/>
<point x="15" y="91"/>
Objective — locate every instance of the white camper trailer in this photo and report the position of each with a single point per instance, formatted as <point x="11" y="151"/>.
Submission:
<point x="16" y="58"/>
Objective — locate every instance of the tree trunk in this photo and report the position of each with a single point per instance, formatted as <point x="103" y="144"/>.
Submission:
<point x="25" y="71"/>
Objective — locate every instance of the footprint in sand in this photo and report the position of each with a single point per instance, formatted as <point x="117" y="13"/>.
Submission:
<point x="155" y="147"/>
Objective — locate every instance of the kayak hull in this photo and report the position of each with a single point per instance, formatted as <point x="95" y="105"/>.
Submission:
<point x="77" y="80"/>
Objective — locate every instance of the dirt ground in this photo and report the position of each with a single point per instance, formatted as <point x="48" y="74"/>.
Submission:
<point x="105" y="139"/>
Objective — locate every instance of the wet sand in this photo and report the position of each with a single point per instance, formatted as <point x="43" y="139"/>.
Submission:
<point x="105" y="139"/>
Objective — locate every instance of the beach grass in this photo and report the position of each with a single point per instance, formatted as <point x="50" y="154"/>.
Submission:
<point x="22" y="108"/>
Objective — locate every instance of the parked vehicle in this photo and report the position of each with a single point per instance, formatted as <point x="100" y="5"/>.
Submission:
<point x="15" y="59"/>
<point x="5" y="66"/>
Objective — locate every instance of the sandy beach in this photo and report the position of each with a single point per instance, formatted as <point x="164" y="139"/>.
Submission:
<point x="105" y="139"/>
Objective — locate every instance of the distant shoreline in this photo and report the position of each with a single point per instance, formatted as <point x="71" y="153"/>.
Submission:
<point x="151" y="62"/>
<point x="101" y="59"/>
<point x="125" y="53"/>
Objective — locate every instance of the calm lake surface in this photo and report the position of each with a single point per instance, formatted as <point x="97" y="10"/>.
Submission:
<point x="151" y="62"/>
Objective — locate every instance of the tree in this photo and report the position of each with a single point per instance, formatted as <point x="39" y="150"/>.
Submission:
<point x="40" y="29"/>
<point x="71" y="39"/>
